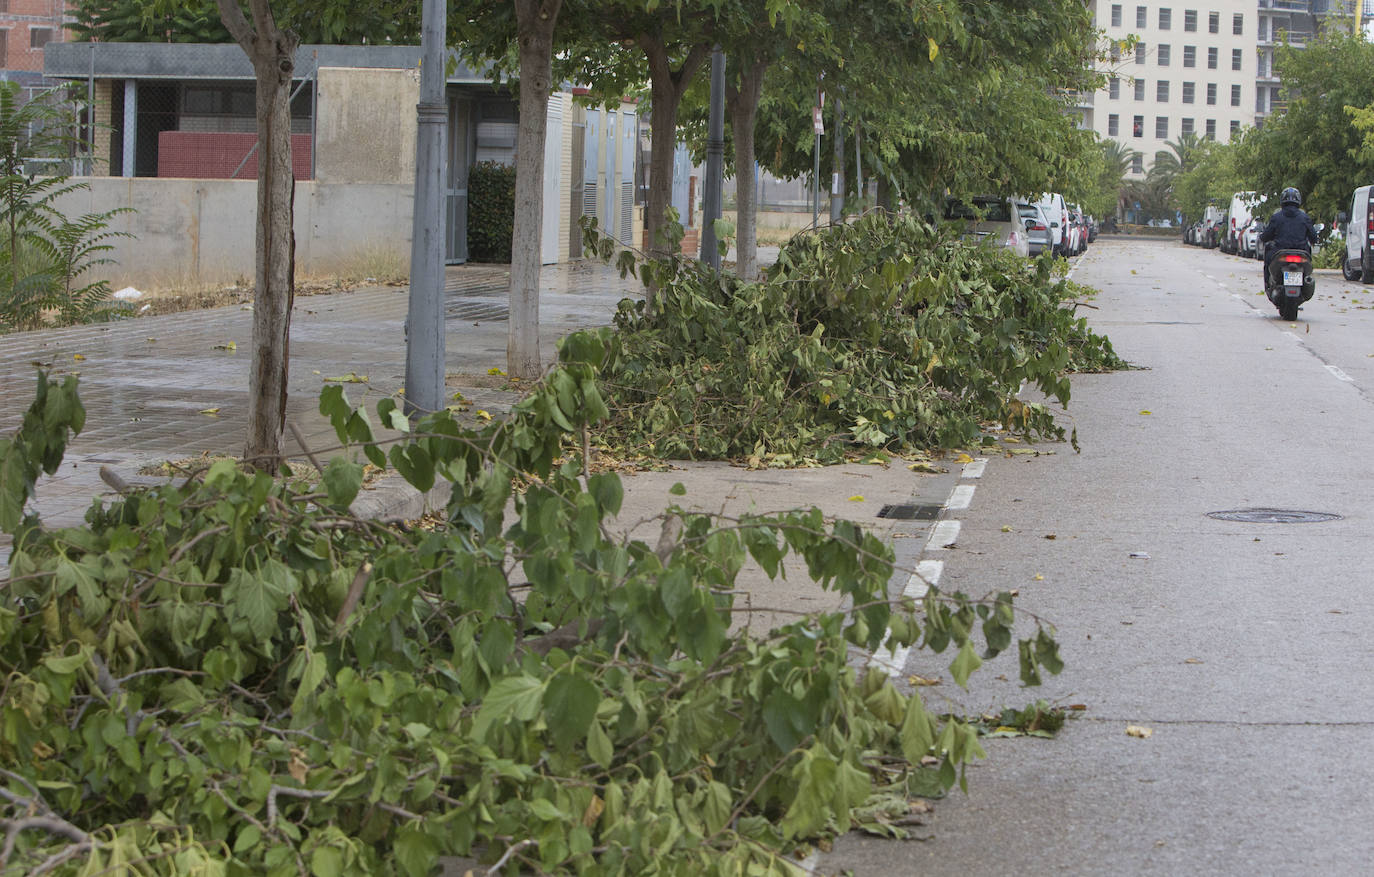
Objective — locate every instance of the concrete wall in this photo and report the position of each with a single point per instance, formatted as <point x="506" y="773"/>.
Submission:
<point x="203" y="231"/>
<point x="365" y="126"/>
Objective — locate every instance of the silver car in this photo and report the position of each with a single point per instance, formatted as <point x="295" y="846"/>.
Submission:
<point x="990" y="219"/>
<point x="1039" y="236"/>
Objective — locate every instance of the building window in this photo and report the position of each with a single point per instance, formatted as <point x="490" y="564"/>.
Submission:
<point x="1212" y="58"/>
<point x="1259" y="67"/>
<point x="1190" y="56"/>
<point x="1211" y="94"/>
<point x="1162" y="50"/>
<point x="1185" y="126"/>
<point x="1140" y="16"/>
<point x="1113" y="124"/>
<point x="1137" y="164"/>
<point x="1140" y="52"/>
<point x="1162" y="127"/>
<point x="1213" y="22"/>
<point x="39" y="37"/>
<point x="1238" y="23"/>
<point x="1115" y="51"/>
<point x="1116" y="15"/>
<point x="1236" y="56"/>
<point x="1138" y="126"/>
<point x="1235" y="95"/>
<point x="1140" y="89"/>
<point x="1165" y="18"/>
<point x="1114" y="88"/>
<point x="1211" y="129"/>
<point x="1190" y="20"/>
<point x="1162" y="90"/>
<point x="1235" y="126"/>
<point x="1187" y="92"/>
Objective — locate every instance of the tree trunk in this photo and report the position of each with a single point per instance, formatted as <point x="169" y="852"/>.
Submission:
<point x="743" y="102"/>
<point x="273" y="53"/>
<point x="666" y="89"/>
<point x="535" y="21"/>
<point x="884" y="192"/>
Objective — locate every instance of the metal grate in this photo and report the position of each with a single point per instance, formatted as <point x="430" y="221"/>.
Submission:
<point x="1273" y="516"/>
<point x="910" y="511"/>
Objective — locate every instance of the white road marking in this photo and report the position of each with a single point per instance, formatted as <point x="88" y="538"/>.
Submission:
<point x="1340" y="375"/>
<point x="974" y="469"/>
<point x="1293" y="336"/>
<point x="893" y="661"/>
<point x="960" y="497"/>
<point x="944" y="533"/>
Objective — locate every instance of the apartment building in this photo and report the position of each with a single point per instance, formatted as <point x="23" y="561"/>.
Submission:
<point x="1205" y="68"/>
<point x="26" y="26"/>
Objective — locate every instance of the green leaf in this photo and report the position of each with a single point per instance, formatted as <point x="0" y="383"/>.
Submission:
<point x="570" y="703"/>
<point x="326" y="862"/>
<point x="65" y="665"/>
<point x="678" y="489"/>
<point x="599" y="745"/>
<point x="342" y="480"/>
<point x="514" y="697"/>
<point x="606" y="488"/>
<point x="416" y="851"/>
<point x="965" y="663"/>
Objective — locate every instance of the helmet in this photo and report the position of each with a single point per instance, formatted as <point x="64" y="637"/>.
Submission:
<point x="1290" y="196"/>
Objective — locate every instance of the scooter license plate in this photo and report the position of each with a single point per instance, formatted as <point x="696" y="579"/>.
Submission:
<point x="1292" y="278"/>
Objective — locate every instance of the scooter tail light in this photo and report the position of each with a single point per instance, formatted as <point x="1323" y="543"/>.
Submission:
<point x="1292" y="258"/>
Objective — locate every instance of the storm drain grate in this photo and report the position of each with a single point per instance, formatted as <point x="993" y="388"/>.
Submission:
<point x="910" y="511"/>
<point x="1273" y="516"/>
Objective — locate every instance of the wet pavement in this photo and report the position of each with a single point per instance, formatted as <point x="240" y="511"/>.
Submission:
<point x="146" y="382"/>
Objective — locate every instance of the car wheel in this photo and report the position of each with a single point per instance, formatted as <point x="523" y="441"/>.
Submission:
<point x="1366" y="266"/>
<point x="1350" y="273"/>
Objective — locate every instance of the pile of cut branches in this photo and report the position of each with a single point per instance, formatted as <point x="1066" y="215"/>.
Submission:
<point x="885" y="333"/>
<point x="233" y="675"/>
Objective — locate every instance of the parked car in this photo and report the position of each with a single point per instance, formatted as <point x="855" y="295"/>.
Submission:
<point x="990" y="219"/>
<point x="1057" y="213"/>
<point x="1077" y="233"/>
<point x="1239" y="218"/>
<point x="1092" y="229"/>
<point x="1358" y="263"/>
<point x="1038" y="236"/>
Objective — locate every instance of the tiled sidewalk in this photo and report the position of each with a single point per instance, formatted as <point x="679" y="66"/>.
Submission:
<point x="145" y="381"/>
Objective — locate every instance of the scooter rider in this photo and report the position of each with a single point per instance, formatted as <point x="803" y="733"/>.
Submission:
<point x="1290" y="228"/>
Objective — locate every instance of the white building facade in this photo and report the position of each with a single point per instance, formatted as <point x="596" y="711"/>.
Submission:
<point x="1205" y="68"/>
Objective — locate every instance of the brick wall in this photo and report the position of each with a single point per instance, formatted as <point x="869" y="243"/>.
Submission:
<point x="203" y="156"/>
<point x="16" y="23"/>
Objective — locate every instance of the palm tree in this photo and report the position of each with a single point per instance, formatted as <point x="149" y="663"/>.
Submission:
<point x="1119" y="158"/>
<point x="1180" y="157"/>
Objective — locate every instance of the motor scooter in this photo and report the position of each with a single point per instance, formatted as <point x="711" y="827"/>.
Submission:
<point x="1289" y="282"/>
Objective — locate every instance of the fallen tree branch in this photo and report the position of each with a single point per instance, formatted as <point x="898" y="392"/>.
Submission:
<point x="355" y="593"/>
<point x="290" y="792"/>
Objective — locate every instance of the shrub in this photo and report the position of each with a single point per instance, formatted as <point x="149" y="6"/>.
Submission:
<point x="43" y="254"/>
<point x="491" y="212"/>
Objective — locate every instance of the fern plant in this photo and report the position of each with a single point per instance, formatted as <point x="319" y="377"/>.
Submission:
<point x="44" y="255"/>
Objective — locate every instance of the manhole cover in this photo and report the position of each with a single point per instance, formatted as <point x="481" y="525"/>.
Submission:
<point x="910" y="511"/>
<point x="1273" y="516"/>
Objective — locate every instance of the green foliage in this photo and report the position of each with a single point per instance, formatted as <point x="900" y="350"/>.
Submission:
<point x="233" y="676"/>
<point x="37" y="447"/>
<point x="43" y="253"/>
<point x="198" y="21"/>
<point x="491" y="212"/>
<point x="1314" y="145"/>
<point x="885" y="333"/>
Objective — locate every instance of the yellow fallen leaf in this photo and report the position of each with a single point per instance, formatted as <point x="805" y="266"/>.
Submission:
<point x="963" y="458"/>
<point x="231" y="346"/>
<point x="78" y="357"/>
<point x="1038" y="577"/>
<point x="1006" y="529"/>
<point x="482" y="415"/>
<point x="929" y="468"/>
<point x="921" y="680"/>
<point x="856" y="498"/>
<point x="210" y="411"/>
<point x="349" y="378"/>
<point x="495" y="371"/>
<point x="1146" y="412"/>
<point x="1193" y="661"/>
<point x="1138" y="731"/>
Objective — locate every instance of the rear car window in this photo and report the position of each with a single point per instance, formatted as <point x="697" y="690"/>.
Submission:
<point x="988" y="211"/>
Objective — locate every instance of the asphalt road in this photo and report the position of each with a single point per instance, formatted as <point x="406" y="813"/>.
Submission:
<point x="1245" y="648"/>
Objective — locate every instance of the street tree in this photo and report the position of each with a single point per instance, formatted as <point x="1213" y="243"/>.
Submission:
<point x="272" y="50"/>
<point x="1315" y="145"/>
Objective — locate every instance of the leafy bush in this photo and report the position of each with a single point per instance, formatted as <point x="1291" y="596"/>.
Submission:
<point x="885" y="333"/>
<point x="491" y="212"/>
<point x="44" y="254"/>
<point x="233" y="676"/>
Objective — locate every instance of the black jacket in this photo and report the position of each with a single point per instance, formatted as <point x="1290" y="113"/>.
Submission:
<point x="1290" y="228"/>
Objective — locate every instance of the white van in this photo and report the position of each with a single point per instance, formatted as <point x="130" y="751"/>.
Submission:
<point x="1358" y="263"/>
<point x="1239" y="218"/>
<point x="1052" y="204"/>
